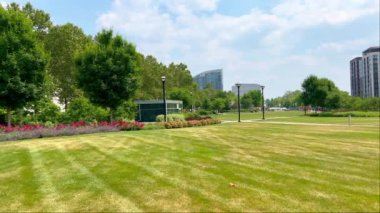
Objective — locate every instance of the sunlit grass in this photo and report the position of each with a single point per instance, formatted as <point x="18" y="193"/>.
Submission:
<point x="297" y="116"/>
<point x="228" y="167"/>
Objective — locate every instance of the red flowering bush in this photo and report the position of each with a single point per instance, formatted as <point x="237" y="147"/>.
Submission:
<point x="23" y="128"/>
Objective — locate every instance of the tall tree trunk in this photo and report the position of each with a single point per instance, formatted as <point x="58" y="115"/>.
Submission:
<point x="9" y="116"/>
<point x="65" y="103"/>
<point x="111" y="115"/>
<point x="305" y="108"/>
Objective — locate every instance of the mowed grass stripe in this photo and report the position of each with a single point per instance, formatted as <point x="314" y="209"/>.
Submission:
<point x="308" y="160"/>
<point x="178" y="141"/>
<point x="21" y="183"/>
<point x="190" y="169"/>
<point x="116" y="201"/>
<point x="189" y="185"/>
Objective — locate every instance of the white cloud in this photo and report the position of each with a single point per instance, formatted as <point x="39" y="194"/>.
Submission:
<point x="3" y="4"/>
<point x="302" y="13"/>
<point x="194" y="32"/>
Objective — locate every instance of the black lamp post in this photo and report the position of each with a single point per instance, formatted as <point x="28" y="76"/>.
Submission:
<point x="163" y="78"/>
<point x="238" y="88"/>
<point x="262" y="101"/>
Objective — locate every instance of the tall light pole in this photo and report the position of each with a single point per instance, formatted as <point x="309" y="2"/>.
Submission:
<point x="262" y="101"/>
<point x="163" y="78"/>
<point x="238" y="88"/>
<point x="192" y="102"/>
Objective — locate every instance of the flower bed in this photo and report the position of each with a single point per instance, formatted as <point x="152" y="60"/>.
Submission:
<point x="191" y="123"/>
<point x="39" y="131"/>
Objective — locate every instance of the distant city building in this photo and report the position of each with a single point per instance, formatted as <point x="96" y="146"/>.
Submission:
<point x="364" y="72"/>
<point x="211" y="77"/>
<point x="356" y="76"/>
<point x="245" y="88"/>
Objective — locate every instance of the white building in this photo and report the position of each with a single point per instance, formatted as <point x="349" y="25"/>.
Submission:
<point x="245" y="88"/>
<point x="366" y="84"/>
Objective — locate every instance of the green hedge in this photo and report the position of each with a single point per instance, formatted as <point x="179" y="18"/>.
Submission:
<point x="170" y="117"/>
<point x="346" y="114"/>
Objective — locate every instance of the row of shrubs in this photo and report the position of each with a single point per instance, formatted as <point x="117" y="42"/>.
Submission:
<point x="182" y="117"/>
<point x="346" y="114"/>
<point x="40" y="131"/>
<point x="191" y="123"/>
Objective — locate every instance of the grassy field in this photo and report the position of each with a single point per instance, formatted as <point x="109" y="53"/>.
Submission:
<point x="227" y="167"/>
<point x="297" y="116"/>
<point x="233" y="116"/>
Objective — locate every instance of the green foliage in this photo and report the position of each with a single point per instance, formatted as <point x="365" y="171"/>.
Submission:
<point x="218" y="104"/>
<point x="46" y="110"/>
<point x="108" y="70"/>
<point x="62" y="42"/>
<point x="251" y="99"/>
<point x="181" y="94"/>
<point x="177" y="75"/>
<point x="22" y="60"/>
<point x="291" y="99"/>
<point x="316" y="91"/>
<point x="170" y="117"/>
<point x="126" y="111"/>
<point x="346" y="114"/>
<point x="81" y="109"/>
<point x="40" y="19"/>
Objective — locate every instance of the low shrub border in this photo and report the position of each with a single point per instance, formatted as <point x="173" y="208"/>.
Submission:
<point x="345" y="114"/>
<point x="191" y="123"/>
<point x="39" y="131"/>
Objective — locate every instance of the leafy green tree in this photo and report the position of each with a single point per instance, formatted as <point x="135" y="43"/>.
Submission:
<point x="218" y="104"/>
<point x="183" y="95"/>
<point x="251" y="99"/>
<point x="40" y="19"/>
<point x="22" y="59"/>
<point x="109" y="70"/>
<point x="246" y="102"/>
<point x="177" y="76"/>
<point x="81" y="108"/>
<point x="151" y="84"/>
<point x="126" y="111"/>
<point x="62" y="42"/>
<point x="315" y="91"/>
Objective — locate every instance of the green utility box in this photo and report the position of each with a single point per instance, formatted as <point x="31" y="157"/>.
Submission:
<point x="149" y="109"/>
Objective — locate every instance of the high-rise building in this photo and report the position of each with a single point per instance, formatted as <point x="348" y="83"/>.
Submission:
<point x="245" y="88"/>
<point x="365" y="74"/>
<point x="356" y="73"/>
<point x="371" y="72"/>
<point x="214" y="78"/>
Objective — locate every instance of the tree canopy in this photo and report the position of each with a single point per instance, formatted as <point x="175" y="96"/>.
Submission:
<point x="108" y="70"/>
<point x="251" y="99"/>
<point x="62" y="42"/>
<point x="22" y="59"/>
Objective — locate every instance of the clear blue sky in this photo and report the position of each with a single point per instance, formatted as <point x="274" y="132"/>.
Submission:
<point x="272" y="42"/>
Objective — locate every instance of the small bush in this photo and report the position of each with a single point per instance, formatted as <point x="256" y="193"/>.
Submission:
<point x="191" y="123"/>
<point x="170" y="117"/>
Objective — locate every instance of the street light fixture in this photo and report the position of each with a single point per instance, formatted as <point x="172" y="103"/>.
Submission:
<point x="262" y="101"/>
<point x="238" y="88"/>
<point x="163" y="78"/>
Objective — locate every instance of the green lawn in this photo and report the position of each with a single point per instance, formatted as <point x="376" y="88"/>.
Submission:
<point x="271" y="167"/>
<point x="233" y="116"/>
<point x="330" y="120"/>
<point x="299" y="117"/>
